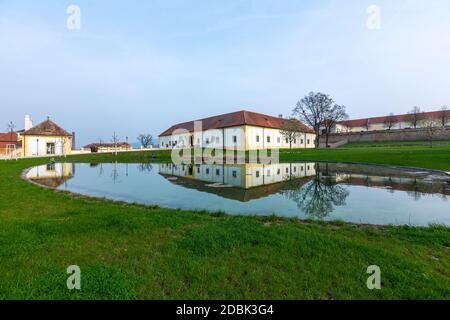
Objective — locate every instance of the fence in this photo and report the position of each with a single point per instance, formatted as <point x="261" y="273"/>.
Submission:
<point x="10" y="152"/>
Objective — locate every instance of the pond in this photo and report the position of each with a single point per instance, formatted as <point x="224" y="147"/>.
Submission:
<point x="326" y="191"/>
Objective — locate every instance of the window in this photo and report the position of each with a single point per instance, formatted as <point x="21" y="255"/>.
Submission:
<point x="295" y="141"/>
<point x="217" y="139"/>
<point x="268" y="139"/>
<point x="50" y="148"/>
<point x="50" y="167"/>
<point x="287" y="170"/>
<point x="307" y="167"/>
<point x="278" y="171"/>
<point x="268" y="173"/>
<point x="307" y="141"/>
<point x="198" y="140"/>
<point x="257" y="138"/>
<point x="287" y="140"/>
<point x="295" y="169"/>
<point x="257" y="174"/>
<point x="207" y="170"/>
<point x="234" y="174"/>
<point x="198" y="169"/>
<point x="278" y="140"/>
<point x="301" y="141"/>
<point x="234" y="139"/>
<point x="207" y="140"/>
<point x="217" y="172"/>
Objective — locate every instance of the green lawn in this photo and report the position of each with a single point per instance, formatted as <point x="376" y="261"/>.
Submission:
<point x="414" y="154"/>
<point x="128" y="251"/>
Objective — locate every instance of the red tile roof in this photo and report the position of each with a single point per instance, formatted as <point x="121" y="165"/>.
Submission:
<point x="46" y="128"/>
<point x="9" y="138"/>
<point x="396" y="118"/>
<point x="236" y="119"/>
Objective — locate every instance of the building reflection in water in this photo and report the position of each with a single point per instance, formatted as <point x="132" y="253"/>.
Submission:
<point x="52" y="175"/>
<point x="316" y="188"/>
<point x="243" y="176"/>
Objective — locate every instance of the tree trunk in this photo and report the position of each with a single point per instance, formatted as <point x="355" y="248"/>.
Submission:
<point x="317" y="138"/>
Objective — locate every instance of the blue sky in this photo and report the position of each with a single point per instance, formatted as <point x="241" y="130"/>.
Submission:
<point x="140" y="66"/>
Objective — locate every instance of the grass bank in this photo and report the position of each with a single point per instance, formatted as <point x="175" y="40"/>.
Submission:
<point x="129" y="251"/>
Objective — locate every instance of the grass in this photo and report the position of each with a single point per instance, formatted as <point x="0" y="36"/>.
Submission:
<point x="384" y="144"/>
<point x="409" y="154"/>
<point x="131" y="251"/>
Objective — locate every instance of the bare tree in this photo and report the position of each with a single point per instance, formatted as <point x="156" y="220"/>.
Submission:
<point x="333" y="115"/>
<point x="444" y="115"/>
<point x="433" y="128"/>
<point x="11" y="127"/>
<point x="290" y="131"/>
<point x="145" y="140"/>
<point x="415" y="116"/>
<point x="312" y="110"/>
<point x="390" y="121"/>
<point x="115" y="141"/>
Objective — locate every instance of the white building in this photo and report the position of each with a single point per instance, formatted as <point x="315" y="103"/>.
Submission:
<point x="242" y="130"/>
<point x="393" y="122"/>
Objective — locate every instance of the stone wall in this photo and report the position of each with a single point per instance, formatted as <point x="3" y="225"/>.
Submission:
<point x="385" y="135"/>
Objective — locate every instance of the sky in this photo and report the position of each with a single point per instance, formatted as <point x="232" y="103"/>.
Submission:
<point x="140" y="66"/>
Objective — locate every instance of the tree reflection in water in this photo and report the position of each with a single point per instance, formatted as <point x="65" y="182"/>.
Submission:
<point x="317" y="198"/>
<point x="115" y="173"/>
<point x="145" y="167"/>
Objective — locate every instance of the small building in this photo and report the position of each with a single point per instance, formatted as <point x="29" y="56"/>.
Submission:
<point x="9" y="143"/>
<point x="242" y="130"/>
<point x="107" y="147"/>
<point x="45" y="139"/>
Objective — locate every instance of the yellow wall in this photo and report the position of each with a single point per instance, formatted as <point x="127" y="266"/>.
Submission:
<point x="33" y="147"/>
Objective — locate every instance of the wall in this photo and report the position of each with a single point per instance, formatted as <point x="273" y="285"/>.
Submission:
<point x="378" y="126"/>
<point x="385" y="135"/>
<point x="246" y="138"/>
<point x="37" y="145"/>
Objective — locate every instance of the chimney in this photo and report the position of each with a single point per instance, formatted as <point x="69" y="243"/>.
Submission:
<point x="280" y="116"/>
<point x="28" y="122"/>
<point x="73" y="141"/>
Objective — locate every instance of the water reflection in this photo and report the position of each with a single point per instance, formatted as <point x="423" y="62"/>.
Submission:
<point x="51" y="175"/>
<point x="318" y="198"/>
<point x="315" y="187"/>
<point x="357" y="193"/>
